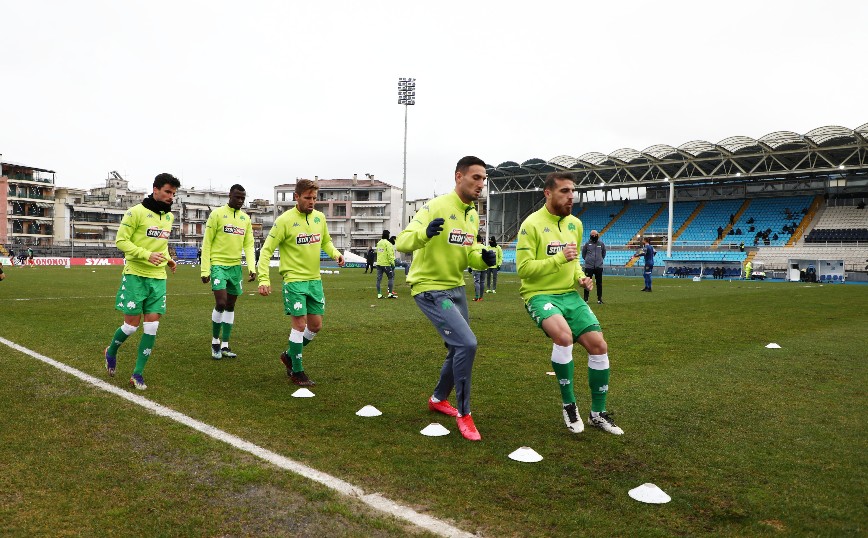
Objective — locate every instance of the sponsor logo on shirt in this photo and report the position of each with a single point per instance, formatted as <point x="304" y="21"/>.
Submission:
<point x="157" y="233"/>
<point x="307" y="239"/>
<point x="458" y="237"/>
<point x="234" y="230"/>
<point x="554" y="247"/>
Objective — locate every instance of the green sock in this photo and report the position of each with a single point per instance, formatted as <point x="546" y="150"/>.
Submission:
<point x="146" y="347"/>
<point x="598" y="381"/>
<point x="294" y="352"/>
<point x="227" y="330"/>
<point x="564" y="373"/>
<point x="119" y="338"/>
<point x="215" y="329"/>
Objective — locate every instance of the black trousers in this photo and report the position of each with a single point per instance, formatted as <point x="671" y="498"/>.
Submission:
<point x="597" y="275"/>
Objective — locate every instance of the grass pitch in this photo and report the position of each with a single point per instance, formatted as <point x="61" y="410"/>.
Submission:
<point x="746" y="440"/>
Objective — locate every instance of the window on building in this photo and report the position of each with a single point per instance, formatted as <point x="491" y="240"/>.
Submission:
<point x="379" y="211"/>
<point x="377" y="196"/>
<point x="340" y="210"/>
<point x="362" y="196"/>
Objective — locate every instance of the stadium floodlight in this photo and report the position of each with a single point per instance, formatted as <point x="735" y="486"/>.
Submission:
<point x="406" y="97"/>
<point x="841" y="167"/>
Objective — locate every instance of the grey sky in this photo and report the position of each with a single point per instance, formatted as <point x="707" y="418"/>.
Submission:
<point x="262" y="92"/>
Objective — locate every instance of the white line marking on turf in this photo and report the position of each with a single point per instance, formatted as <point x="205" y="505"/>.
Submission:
<point x="374" y="500"/>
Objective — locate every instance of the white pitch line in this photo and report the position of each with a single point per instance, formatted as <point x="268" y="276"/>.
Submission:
<point x="373" y="500"/>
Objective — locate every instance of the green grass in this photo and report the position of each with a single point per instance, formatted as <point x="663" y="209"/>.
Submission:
<point x="746" y="440"/>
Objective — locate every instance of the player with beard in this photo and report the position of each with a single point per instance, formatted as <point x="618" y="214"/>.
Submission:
<point x="442" y="237"/>
<point x="299" y="233"/>
<point x="227" y="231"/>
<point x="547" y="262"/>
<point x="143" y="236"/>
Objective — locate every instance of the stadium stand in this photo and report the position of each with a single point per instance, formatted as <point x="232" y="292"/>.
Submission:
<point x="702" y="230"/>
<point x="843" y="224"/>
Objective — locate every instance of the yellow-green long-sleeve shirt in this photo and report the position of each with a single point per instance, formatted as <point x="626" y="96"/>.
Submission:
<point x="540" y="261"/>
<point x="499" y="251"/>
<point x="385" y="253"/>
<point x="298" y="237"/>
<point x="439" y="262"/>
<point x="227" y="231"/>
<point x="143" y="232"/>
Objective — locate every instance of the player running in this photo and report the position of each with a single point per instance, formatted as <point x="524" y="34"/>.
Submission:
<point x="547" y="261"/>
<point x="437" y="282"/>
<point x="227" y="231"/>
<point x="300" y="233"/>
<point x="143" y="237"/>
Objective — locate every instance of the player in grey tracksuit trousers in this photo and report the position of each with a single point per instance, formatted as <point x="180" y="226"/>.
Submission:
<point x="593" y="254"/>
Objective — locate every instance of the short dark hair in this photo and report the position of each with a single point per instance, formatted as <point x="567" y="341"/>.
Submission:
<point x="165" y="178"/>
<point x="385" y="234"/>
<point x="466" y="162"/>
<point x="554" y="177"/>
<point x="236" y="187"/>
<point x="305" y="185"/>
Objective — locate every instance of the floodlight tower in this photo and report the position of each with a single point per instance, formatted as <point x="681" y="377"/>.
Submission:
<point x="406" y="97"/>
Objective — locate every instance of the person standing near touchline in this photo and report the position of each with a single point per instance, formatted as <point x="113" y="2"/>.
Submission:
<point x="143" y="237"/>
<point x="442" y="237"/>
<point x="227" y="231"/>
<point x="491" y="274"/>
<point x="593" y="254"/>
<point x="386" y="264"/>
<point x="299" y="234"/>
<point x="647" y="251"/>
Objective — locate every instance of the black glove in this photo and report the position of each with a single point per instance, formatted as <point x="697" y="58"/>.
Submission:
<point x="434" y="227"/>
<point x="489" y="257"/>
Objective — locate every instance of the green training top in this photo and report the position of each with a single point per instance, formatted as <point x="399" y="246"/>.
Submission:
<point x="439" y="262"/>
<point x="542" y="266"/>
<point x="141" y="233"/>
<point x="299" y="237"/>
<point x="226" y="232"/>
<point x="385" y="253"/>
<point x="499" y="250"/>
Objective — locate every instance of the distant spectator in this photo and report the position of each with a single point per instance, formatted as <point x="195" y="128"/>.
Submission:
<point x="370" y="257"/>
<point x="752" y="229"/>
<point x="731" y="219"/>
<point x="775" y="237"/>
<point x="750" y="220"/>
<point x="861" y="205"/>
<point x="741" y="245"/>
<point x="731" y="232"/>
<point x="738" y="231"/>
<point x="720" y="232"/>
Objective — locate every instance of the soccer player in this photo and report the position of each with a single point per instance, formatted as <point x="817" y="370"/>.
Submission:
<point x="2" y="274"/>
<point x="386" y="264"/>
<point x="437" y="282"/>
<point x="30" y="260"/>
<point x="479" y="279"/>
<point x="143" y="237"/>
<point x="647" y="251"/>
<point x="227" y="231"/>
<point x="491" y="276"/>
<point x="299" y="233"/>
<point x="547" y="259"/>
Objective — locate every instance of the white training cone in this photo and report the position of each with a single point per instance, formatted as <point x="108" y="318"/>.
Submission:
<point x="434" y="430"/>
<point x="369" y="411"/>
<point x="525" y="454"/>
<point x="302" y="393"/>
<point x="773" y="346"/>
<point x="649" y="493"/>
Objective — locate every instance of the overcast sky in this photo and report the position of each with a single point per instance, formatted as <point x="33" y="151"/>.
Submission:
<point x="262" y="92"/>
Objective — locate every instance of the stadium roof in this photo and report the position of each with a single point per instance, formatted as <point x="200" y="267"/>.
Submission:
<point x="782" y="153"/>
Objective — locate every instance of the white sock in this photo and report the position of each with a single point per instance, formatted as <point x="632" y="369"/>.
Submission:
<point x="308" y="334"/>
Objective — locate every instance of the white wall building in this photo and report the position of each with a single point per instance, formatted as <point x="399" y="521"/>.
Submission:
<point x="357" y="210"/>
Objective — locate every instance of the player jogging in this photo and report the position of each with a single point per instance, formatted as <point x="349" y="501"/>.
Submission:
<point x="143" y="237"/>
<point x="227" y="231"/>
<point x="442" y="236"/>
<point x="299" y="233"/>
<point x="547" y="261"/>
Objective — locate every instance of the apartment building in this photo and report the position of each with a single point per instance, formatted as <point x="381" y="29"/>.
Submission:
<point x="357" y="210"/>
<point x="26" y="205"/>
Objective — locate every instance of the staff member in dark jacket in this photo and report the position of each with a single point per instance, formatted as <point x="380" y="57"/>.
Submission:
<point x="593" y="254"/>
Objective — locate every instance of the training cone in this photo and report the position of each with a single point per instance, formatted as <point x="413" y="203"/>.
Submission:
<point x="773" y="346"/>
<point x="369" y="411"/>
<point x="525" y="454"/>
<point x="302" y="393"/>
<point x="434" y="430"/>
<point x="649" y="493"/>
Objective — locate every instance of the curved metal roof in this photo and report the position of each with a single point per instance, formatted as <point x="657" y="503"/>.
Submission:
<point x="778" y="153"/>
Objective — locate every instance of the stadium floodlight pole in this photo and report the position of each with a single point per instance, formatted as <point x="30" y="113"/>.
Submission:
<point x="406" y="97"/>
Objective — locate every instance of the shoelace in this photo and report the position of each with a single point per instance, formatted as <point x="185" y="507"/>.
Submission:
<point x="605" y="415"/>
<point x="572" y="413"/>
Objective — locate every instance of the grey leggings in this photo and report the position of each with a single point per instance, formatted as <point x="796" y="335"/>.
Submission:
<point x="390" y="273"/>
<point x="491" y="278"/>
<point x="447" y="311"/>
